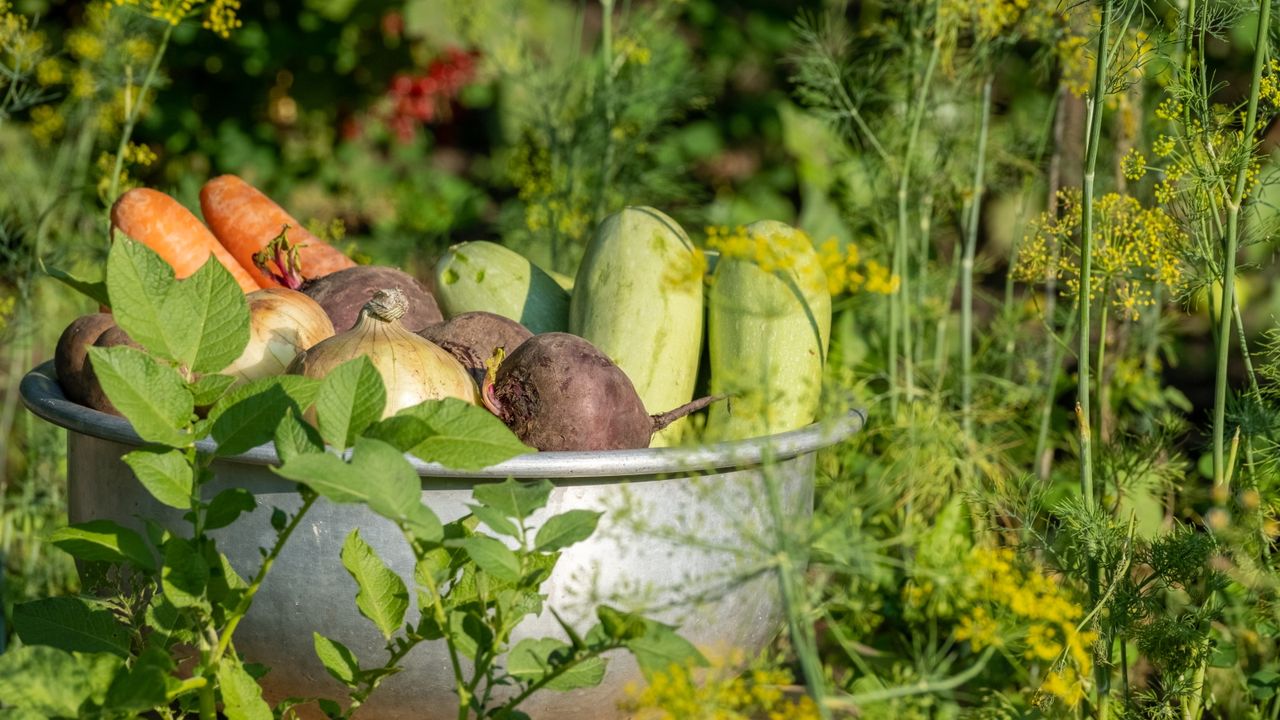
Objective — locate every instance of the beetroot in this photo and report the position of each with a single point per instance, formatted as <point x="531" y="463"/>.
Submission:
<point x="558" y="392"/>
<point x="342" y="294"/>
<point x="94" y="396"/>
<point x="70" y="359"/>
<point x="473" y="336"/>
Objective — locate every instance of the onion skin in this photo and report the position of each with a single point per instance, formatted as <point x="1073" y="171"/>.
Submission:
<point x="282" y="324"/>
<point x="413" y="369"/>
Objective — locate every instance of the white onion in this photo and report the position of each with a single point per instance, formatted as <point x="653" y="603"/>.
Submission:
<point x="282" y="323"/>
<point x="413" y="369"/>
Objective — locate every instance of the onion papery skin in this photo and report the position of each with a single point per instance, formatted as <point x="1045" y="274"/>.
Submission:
<point x="413" y="369"/>
<point x="282" y="323"/>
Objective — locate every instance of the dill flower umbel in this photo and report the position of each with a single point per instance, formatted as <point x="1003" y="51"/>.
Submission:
<point x="719" y="693"/>
<point x="845" y="268"/>
<point x="1135" y="249"/>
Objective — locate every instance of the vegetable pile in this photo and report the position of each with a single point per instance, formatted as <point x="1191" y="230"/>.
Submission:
<point x="609" y="359"/>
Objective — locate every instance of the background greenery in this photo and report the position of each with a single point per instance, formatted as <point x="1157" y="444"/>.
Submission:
<point x="953" y="530"/>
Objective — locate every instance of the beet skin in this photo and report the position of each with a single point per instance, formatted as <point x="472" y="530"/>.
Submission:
<point x="558" y="392"/>
<point x="342" y="294"/>
<point x="94" y="396"/>
<point x="70" y="359"/>
<point x="473" y="336"/>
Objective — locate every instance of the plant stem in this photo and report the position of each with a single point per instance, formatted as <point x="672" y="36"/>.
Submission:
<point x="1059" y="349"/>
<point x="902" y="245"/>
<point x="853" y="702"/>
<point x="1097" y="102"/>
<point x="135" y="111"/>
<point x="801" y="630"/>
<point x="1099" y="372"/>
<point x="966" y="266"/>
<point x="208" y="702"/>
<point x="606" y="159"/>
<point x="242" y="608"/>
<point x="1232" y="245"/>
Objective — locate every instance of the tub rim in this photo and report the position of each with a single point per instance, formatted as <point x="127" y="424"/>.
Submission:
<point x="43" y="396"/>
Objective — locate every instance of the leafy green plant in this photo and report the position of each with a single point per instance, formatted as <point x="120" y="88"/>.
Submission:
<point x="116" y="653"/>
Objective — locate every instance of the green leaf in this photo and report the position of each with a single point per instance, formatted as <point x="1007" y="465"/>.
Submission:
<point x="460" y="435"/>
<point x="54" y="682"/>
<point x="73" y="624"/>
<point x="138" y="282"/>
<point x="351" y="398"/>
<point x="95" y="291"/>
<point x="293" y="437"/>
<point x="207" y="318"/>
<point x="104" y="541"/>
<point x="513" y="498"/>
<point x="154" y="397"/>
<point x="531" y="659"/>
<point x="660" y="647"/>
<point x="561" y="531"/>
<point x="382" y="596"/>
<point x="249" y="415"/>
<point x="208" y="389"/>
<point x="185" y="574"/>
<point x="144" y="686"/>
<point x="241" y="694"/>
<point x="165" y="473"/>
<point x="468" y="633"/>
<point x="378" y="476"/>
<point x="618" y="625"/>
<point x="226" y="506"/>
<point x="337" y="659"/>
<point x="494" y="520"/>
<point x="493" y="557"/>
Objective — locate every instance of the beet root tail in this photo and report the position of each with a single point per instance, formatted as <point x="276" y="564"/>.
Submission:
<point x="661" y="420"/>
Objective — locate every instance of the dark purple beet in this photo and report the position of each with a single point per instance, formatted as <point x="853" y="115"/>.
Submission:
<point x="342" y="294"/>
<point x="473" y="336"/>
<point x="558" y="392"/>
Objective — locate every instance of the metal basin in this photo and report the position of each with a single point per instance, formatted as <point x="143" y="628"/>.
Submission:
<point x="679" y="540"/>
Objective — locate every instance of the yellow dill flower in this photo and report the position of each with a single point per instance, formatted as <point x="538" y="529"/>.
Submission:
<point x="979" y="629"/>
<point x="1169" y="109"/>
<point x="1133" y="165"/>
<point x="720" y="692"/>
<point x="86" y="45"/>
<point x="1164" y="146"/>
<point x="221" y="17"/>
<point x="51" y="71"/>
<point x="47" y="124"/>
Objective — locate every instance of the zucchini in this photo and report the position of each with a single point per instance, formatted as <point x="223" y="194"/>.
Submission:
<point x="486" y="276"/>
<point x="768" y="329"/>
<point x="638" y="298"/>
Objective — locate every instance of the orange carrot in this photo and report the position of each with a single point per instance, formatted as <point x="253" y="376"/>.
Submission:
<point x="245" y="221"/>
<point x="174" y="233"/>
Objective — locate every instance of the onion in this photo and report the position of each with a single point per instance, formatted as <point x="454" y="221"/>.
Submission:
<point x="413" y="369"/>
<point x="282" y="323"/>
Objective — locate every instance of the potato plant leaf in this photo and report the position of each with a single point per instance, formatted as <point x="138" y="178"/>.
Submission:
<point x="207" y="319"/>
<point x="241" y="694"/>
<point x="138" y="283"/>
<point x="185" y="574"/>
<point x="249" y="415"/>
<point x="144" y="686"/>
<point x="382" y="596"/>
<point x="293" y="437"/>
<point x="351" y="398"/>
<point x="94" y="290"/>
<point x="104" y="541"/>
<point x="153" y="396"/>
<point x="460" y="435"/>
<point x="226" y="506"/>
<point x="532" y="659"/>
<point x="660" y="647"/>
<point x="561" y="531"/>
<point x="513" y="498"/>
<point x="165" y="473"/>
<point x="493" y="557"/>
<point x="208" y="389"/>
<point x="73" y="624"/>
<point x="340" y="662"/>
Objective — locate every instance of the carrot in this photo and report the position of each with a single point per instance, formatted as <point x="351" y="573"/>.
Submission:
<point x="245" y="221"/>
<point x="173" y="232"/>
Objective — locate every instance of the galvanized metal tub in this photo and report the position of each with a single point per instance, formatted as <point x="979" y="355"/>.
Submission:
<point x="676" y="541"/>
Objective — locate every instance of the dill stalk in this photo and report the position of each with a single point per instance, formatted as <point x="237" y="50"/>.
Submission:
<point x="1232" y="246"/>
<point x="134" y="111"/>
<point x="1093" y="139"/>
<point x="966" y="276"/>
